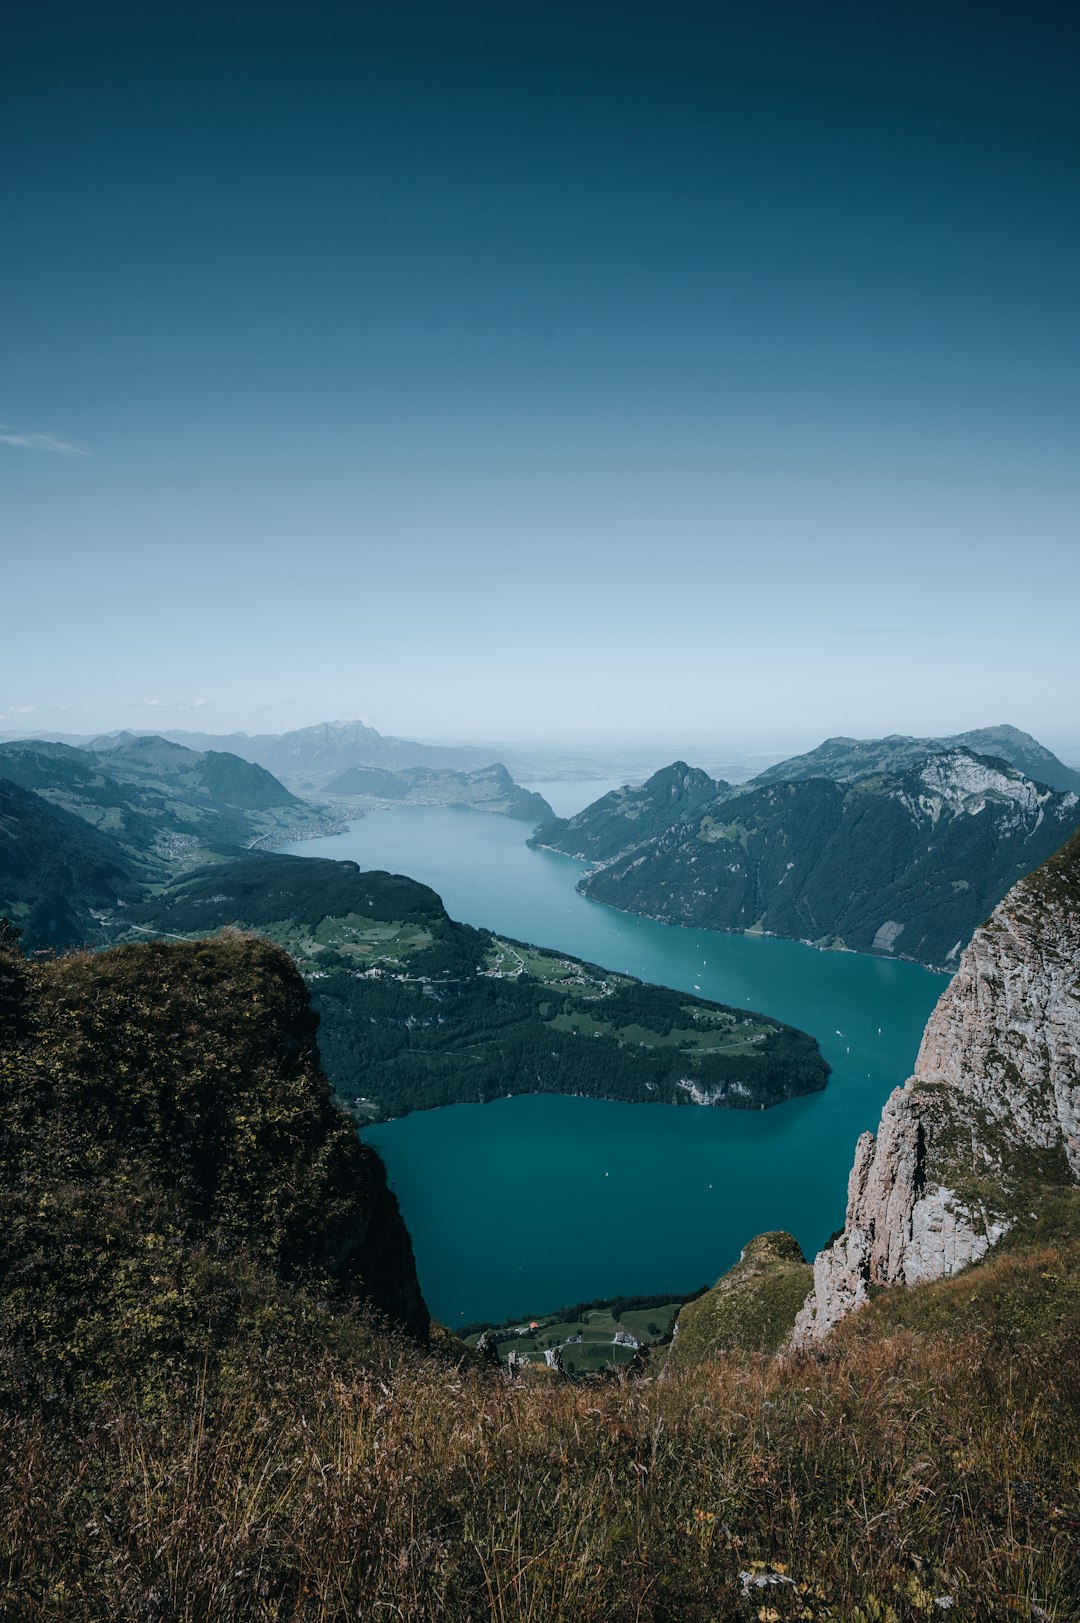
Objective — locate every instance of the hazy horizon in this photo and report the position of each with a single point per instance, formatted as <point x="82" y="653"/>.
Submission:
<point x="613" y="751"/>
<point x="498" y="376"/>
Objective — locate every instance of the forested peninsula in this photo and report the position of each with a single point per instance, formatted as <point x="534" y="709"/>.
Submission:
<point x="417" y="1010"/>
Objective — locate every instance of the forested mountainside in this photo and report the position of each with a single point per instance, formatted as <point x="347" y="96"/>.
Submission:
<point x="198" y="1418"/>
<point x="417" y="1010"/>
<point x="92" y="830"/>
<point x="489" y="788"/>
<point x="846" y="758"/>
<point x="629" y="816"/>
<point x="147" y="792"/>
<point x="907" y="863"/>
<point x="56" y="871"/>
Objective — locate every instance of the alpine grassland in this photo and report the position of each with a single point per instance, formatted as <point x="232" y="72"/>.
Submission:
<point x="220" y="1398"/>
<point x="903" y="1468"/>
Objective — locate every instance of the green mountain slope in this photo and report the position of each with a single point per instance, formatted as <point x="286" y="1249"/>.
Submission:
<point x="908" y="863"/>
<point x="752" y="1306"/>
<point x="159" y="800"/>
<point x="846" y="758"/>
<point x="631" y="815"/>
<point x="55" y="871"/>
<point x="419" y="1011"/>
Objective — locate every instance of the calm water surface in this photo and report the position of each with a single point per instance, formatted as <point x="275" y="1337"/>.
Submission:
<point x="527" y="1204"/>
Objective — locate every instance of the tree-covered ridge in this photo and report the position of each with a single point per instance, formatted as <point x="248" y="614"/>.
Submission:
<point x="151" y="794"/>
<point x="419" y="1011"/>
<point x="629" y="816"/>
<point x="163" y="1117"/>
<point x="56" y="871"/>
<point x="844" y="759"/>
<point x="907" y="863"/>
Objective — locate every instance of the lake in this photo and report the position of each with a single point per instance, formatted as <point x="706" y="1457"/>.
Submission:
<point x="527" y="1204"/>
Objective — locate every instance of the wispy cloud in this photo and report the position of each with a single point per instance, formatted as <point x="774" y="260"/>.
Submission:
<point x="39" y="442"/>
<point x="16" y="712"/>
<point x="169" y="704"/>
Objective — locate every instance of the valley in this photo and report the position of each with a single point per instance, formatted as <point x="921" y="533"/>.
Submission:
<point x="530" y="1201"/>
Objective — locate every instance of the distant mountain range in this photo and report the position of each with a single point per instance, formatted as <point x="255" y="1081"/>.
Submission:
<point x="892" y="845"/>
<point x="310" y="757"/>
<point x="488" y="788"/>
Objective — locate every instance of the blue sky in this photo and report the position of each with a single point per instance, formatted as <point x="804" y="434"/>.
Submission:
<point x="536" y="371"/>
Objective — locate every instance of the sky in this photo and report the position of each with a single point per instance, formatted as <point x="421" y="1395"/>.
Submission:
<point x="515" y="371"/>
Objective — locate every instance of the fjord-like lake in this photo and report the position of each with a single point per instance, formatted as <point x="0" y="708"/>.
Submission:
<point x="528" y="1204"/>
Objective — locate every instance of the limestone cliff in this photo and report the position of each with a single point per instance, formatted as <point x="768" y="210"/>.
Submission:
<point x="991" y="1116"/>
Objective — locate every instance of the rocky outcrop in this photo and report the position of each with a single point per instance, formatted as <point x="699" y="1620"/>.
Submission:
<point x="990" y="1118"/>
<point x="752" y="1306"/>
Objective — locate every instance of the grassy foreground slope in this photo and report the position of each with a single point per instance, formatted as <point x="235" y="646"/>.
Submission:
<point x="417" y="1010"/>
<point x="751" y="1307"/>
<point x="931" y="1456"/>
<point x="196" y="1422"/>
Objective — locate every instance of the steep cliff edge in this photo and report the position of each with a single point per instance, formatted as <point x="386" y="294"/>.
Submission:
<point x="991" y="1117"/>
<point x="164" y="1123"/>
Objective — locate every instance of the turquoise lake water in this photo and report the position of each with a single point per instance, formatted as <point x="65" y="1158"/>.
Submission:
<point x="526" y="1204"/>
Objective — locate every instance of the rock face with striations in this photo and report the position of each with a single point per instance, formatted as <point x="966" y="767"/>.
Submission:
<point x="990" y="1118"/>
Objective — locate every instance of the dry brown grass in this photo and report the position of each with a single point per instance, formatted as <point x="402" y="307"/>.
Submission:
<point x="904" y="1468"/>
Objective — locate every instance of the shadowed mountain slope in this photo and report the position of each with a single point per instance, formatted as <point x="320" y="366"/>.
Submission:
<point x="907" y="863"/>
<point x="150" y="794"/>
<point x="55" y="870"/>
<point x="629" y="816"/>
<point x="163" y="1115"/>
<point x="844" y="759"/>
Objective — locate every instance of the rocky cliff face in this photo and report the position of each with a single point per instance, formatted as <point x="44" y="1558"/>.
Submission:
<point x="990" y="1118"/>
